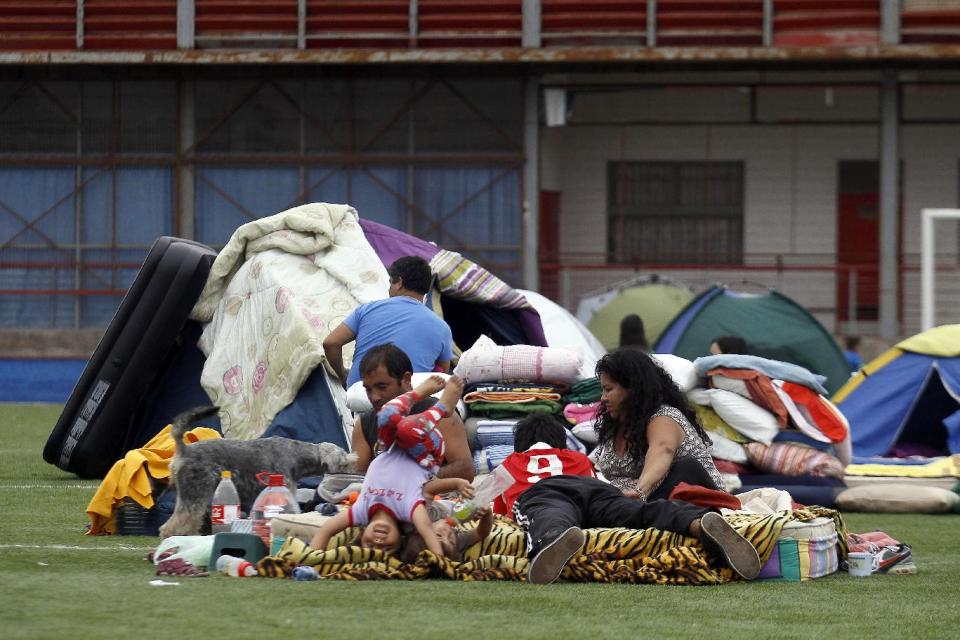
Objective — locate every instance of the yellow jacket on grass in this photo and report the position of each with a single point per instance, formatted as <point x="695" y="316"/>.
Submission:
<point x="130" y="477"/>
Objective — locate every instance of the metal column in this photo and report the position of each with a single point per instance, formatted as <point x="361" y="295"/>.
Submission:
<point x="186" y="24"/>
<point x="531" y="23"/>
<point x="186" y="177"/>
<point x="531" y="184"/>
<point x="890" y="21"/>
<point x="889" y="205"/>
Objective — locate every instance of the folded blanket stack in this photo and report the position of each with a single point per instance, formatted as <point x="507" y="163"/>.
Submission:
<point x="498" y="406"/>
<point x="504" y="384"/>
<point x="768" y="416"/>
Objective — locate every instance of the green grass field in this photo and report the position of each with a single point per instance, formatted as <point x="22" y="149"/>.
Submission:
<point x="57" y="583"/>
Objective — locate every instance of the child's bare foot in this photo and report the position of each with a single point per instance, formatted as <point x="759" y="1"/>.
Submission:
<point x="430" y="386"/>
<point x="452" y="391"/>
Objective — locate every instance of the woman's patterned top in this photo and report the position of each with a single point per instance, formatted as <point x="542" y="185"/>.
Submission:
<point x="623" y="471"/>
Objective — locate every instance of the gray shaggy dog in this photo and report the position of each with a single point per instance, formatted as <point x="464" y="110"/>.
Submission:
<point x="195" y="470"/>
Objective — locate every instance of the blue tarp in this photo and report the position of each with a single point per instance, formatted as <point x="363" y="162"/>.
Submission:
<point x="50" y="380"/>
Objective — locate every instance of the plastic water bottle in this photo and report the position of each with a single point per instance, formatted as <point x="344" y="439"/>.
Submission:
<point x="236" y="567"/>
<point x="489" y="488"/>
<point x="303" y="573"/>
<point x="441" y="509"/>
<point x="225" y="506"/>
<point x="271" y="502"/>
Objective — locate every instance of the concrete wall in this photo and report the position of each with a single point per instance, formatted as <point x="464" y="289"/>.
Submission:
<point x="790" y="162"/>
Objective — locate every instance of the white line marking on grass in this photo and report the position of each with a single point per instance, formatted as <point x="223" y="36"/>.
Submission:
<point x="48" y="486"/>
<point x="69" y="547"/>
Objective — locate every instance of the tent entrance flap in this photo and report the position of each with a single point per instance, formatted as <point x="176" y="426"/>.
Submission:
<point x="921" y="429"/>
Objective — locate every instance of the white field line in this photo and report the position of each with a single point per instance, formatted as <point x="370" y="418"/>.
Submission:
<point x="49" y="486"/>
<point x="70" y="547"/>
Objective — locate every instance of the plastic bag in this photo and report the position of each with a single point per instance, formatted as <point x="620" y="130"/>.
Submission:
<point x="194" y="550"/>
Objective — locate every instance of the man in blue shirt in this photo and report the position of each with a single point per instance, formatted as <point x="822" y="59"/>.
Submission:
<point x="402" y="319"/>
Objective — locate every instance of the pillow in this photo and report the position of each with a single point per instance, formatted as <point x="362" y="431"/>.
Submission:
<point x="680" y="369"/>
<point x="732" y="385"/>
<point x="898" y="498"/>
<point x="743" y="415"/>
<point x="714" y="424"/>
<point x="585" y="432"/>
<point x="358" y="402"/>
<point x="727" y="449"/>
<point x="486" y="361"/>
<point x="793" y="460"/>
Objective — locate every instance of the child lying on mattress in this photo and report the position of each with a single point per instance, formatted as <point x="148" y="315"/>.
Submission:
<point x="399" y="480"/>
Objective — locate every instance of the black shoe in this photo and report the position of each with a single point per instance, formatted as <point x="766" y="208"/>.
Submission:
<point x="722" y="541"/>
<point x="546" y="566"/>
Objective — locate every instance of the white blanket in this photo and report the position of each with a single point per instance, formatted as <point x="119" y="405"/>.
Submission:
<point x="275" y="291"/>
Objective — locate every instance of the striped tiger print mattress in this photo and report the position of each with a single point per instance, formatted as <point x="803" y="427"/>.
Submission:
<point x="646" y="556"/>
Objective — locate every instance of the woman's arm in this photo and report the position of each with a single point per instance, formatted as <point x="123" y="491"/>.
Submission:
<point x="421" y="522"/>
<point x="664" y="436"/>
<point x="328" y="529"/>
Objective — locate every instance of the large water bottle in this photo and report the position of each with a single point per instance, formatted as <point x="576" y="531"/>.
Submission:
<point x="236" y="567"/>
<point x="489" y="488"/>
<point x="225" y="506"/>
<point x="271" y="502"/>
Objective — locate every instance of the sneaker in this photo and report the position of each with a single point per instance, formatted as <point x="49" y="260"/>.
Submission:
<point x="723" y="542"/>
<point x="546" y="566"/>
<point x="895" y="559"/>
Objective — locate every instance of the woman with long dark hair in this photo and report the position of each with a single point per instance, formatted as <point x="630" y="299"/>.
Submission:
<point x="649" y="438"/>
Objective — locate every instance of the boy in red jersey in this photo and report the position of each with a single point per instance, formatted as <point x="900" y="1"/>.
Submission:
<point x="540" y="451"/>
<point x="557" y="492"/>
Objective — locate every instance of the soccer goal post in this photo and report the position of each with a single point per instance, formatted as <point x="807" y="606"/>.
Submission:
<point x="928" y="254"/>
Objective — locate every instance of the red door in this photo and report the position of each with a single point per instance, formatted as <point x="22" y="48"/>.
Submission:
<point x="549" y="244"/>
<point x="858" y="241"/>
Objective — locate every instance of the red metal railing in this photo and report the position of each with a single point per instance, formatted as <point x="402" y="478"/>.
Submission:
<point x="142" y="25"/>
<point x="844" y="296"/>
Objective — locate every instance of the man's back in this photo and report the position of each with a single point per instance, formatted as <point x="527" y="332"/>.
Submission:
<point x="410" y="325"/>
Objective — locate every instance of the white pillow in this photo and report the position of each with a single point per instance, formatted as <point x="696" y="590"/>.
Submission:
<point x="358" y="402"/>
<point x="680" y="369"/>
<point x="585" y="432"/>
<point x="755" y="422"/>
<point x="699" y="396"/>
<point x="733" y="385"/>
<point x="726" y="449"/>
<point x="486" y="361"/>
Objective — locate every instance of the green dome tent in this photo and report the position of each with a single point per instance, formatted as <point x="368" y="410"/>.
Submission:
<point x="773" y="325"/>
<point x="654" y="298"/>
